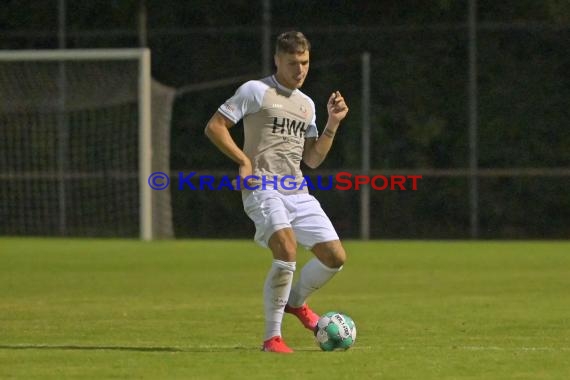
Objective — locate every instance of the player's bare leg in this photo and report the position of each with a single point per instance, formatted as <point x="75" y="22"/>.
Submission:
<point x="330" y="256"/>
<point x="277" y="287"/>
<point x="330" y="253"/>
<point x="283" y="245"/>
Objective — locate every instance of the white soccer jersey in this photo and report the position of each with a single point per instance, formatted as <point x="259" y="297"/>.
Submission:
<point x="276" y="121"/>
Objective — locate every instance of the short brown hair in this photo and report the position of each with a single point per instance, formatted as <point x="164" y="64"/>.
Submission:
<point x="292" y="42"/>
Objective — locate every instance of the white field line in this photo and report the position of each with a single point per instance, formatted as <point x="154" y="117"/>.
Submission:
<point x="478" y="348"/>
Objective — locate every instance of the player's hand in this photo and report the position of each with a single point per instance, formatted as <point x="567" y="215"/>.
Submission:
<point x="336" y="107"/>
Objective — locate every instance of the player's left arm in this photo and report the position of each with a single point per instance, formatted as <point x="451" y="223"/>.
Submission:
<point x="315" y="150"/>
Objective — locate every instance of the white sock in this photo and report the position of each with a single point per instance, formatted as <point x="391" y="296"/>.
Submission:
<point x="275" y="294"/>
<point x="313" y="276"/>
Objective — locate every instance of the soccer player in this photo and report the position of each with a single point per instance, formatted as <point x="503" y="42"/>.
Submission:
<point x="280" y="131"/>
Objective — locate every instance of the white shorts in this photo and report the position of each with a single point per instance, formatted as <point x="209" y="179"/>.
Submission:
<point x="272" y="211"/>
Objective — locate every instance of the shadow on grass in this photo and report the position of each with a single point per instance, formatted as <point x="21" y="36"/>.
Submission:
<point x="126" y="348"/>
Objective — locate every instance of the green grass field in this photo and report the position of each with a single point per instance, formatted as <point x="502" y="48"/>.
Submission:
<point x="99" y="309"/>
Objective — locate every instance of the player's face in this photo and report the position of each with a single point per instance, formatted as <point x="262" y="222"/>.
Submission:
<point x="292" y="69"/>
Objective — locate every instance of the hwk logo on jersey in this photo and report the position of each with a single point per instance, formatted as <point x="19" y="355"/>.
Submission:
<point x="291" y="127"/>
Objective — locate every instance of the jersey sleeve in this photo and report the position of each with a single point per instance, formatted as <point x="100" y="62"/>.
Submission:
<point x="312" y="130"/>
<point x="246" y="100"/>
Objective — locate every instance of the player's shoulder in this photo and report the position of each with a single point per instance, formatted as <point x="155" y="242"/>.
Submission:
<point x="306" y="97"/>
<point x="254" y="86"/>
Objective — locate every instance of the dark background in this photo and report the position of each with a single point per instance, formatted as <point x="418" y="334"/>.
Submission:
<point x="419" y="91"/>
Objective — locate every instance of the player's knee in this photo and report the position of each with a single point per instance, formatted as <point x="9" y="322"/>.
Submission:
<point x="338" y="257"/>
<point x="283" y="248"/>
<point x="288" y="251"/>
<point x="333" y="256"/>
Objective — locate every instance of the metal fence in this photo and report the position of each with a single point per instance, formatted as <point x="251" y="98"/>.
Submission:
<point x="479" y="110"/>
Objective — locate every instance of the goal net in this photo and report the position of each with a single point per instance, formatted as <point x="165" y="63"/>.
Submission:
<point x="80" y="132"/>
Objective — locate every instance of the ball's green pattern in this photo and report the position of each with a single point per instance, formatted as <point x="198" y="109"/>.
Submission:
<point x="332" y="329"/>
<point x="335" y="330"/>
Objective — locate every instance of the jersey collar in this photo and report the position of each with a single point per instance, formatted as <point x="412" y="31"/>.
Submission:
<point x="282" y="88"/>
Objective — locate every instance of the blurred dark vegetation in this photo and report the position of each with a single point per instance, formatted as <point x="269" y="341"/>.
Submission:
<point x="419" y="52"/>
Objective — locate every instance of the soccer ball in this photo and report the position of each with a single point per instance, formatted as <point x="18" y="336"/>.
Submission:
<point x="335" y="331"/>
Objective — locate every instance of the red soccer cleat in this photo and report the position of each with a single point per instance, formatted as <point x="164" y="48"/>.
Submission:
<point x="307" y="316"/>
<point x="276" y="344"/>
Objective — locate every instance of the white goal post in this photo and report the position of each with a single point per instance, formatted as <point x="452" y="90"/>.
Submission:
<point x="17" y="99"/>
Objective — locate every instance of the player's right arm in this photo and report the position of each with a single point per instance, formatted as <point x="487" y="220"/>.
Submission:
<point x="217" y="130"/>
<point x="246" y="100"/>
